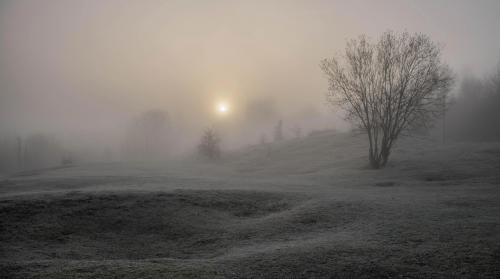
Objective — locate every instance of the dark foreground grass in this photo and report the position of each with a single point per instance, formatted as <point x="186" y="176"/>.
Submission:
<point x="247" y="234"/>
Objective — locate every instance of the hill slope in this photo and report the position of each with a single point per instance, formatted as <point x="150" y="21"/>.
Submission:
<point x="303" y="208"/>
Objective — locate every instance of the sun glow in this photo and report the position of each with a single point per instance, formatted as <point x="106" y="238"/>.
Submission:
<point x="222" y="108"/>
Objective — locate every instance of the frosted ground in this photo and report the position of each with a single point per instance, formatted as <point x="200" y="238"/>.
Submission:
<point x="304" y="208"/>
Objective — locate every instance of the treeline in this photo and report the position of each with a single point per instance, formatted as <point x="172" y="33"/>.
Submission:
<point x="32" y="152"/>
<point x="148" y="137"/>
<point x="474" y="113"/>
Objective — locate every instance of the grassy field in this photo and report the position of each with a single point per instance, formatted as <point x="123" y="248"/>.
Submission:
<point x="305" y="208"/>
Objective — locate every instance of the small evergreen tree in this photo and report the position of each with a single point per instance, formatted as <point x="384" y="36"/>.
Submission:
<point x="209" y="146"/>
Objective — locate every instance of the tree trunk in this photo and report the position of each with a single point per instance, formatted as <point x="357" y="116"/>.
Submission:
<point x="385" y="156"/>
<point x="379" y="160"/>
<point x="374" y="159"/>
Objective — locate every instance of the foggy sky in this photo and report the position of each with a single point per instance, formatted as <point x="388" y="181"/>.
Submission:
<point x="83" y="68"/>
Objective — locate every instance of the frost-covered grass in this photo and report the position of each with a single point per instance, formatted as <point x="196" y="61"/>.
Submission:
<point x="304" y="208"/>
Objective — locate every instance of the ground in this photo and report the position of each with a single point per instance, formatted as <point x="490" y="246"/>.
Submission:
<point x="303" y="208"/>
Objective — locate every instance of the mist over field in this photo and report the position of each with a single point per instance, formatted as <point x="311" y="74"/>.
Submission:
<point x="249" y="139"/>
<point x="81" y="72"/>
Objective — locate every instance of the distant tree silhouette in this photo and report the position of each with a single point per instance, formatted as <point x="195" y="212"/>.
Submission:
<point x="263" y="139"/>
<point x="41" y="151"/>
<point x="209" y="146"/>
<point x="476" y="109"/>
<point x="395" y="85"/>
<point x="149" y="135"/>
<point x="297" y="131"/>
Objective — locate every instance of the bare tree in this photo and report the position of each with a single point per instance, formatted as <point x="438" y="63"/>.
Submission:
<point x="209" y="146"/>
<point x="388" y="87"/>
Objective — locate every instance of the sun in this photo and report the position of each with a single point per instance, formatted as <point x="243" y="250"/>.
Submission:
<point x="222" y="108"/>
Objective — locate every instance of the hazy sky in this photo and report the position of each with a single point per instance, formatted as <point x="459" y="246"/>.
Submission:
<point x="83" y="67"/>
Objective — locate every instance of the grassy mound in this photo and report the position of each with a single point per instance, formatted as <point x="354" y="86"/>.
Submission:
<point x="179" y="224"/>
<point x="183" y="230"/>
